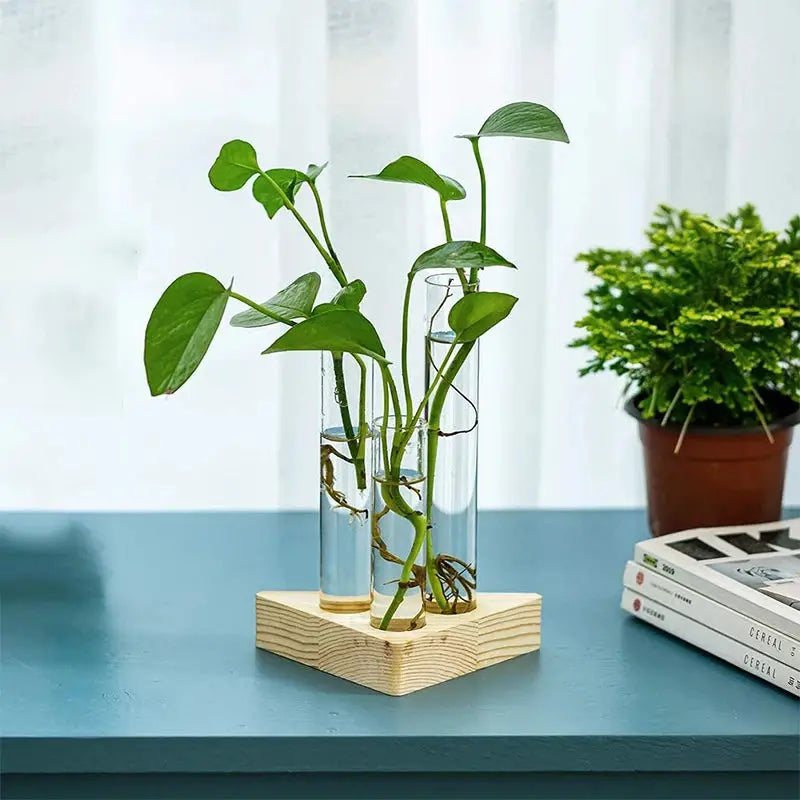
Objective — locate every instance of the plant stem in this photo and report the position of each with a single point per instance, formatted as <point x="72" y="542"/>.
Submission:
<point x="684" y="429"/>
<point x="404" y="349"/>
<point x="385" y="422"/>
<point x="671" y="406"/>
<point x="473" y="275"/>
<point x="362" y="404"/>
<point x="448" y="236"/>
<point x="334" y="267"/>
<point x="418" y="413"/>
<point x="761" y="418"/>
<point x="354" y="445"/>
<point x="262" y="309"/>
<point x="363" y="425"/>
<point x="318" y="201"/>
<point x="353" y="442"/>
<point x="391" y="488"/>
<point x="420" y="529"/>
<point x="390" y="491"/>
<point x="445" y="219"/>
<point x="434" y="422"/>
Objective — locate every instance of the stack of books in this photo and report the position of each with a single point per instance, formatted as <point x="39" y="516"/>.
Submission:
<point x="733" y="592"/>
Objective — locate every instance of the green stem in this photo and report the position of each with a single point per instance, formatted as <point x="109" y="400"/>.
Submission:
<point x="347" y="422"/>
<point x="385" y="421"/>
<point x="445" y="219"/>
<point x="473" y="275"/>
<point x="334" y="267"/>
<point x="409" y="432"/>
<point x="262" y="309"/>
<point x="404" y="349"/>
<point x="448" y="235"/>
<point x="323" y="226"/>
<point x="434" y="422"/>
<point x="363" y="425"/>
<point x="387" y="375"/>
<point x="391" y="494"/>
<point x="354" y="445"/>
<point x="391" y="490"/>
<point x="420" y="529"/>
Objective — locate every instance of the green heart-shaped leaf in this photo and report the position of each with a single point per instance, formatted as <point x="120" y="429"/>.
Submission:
<point x="180" y="330"/>
<point x="408" y="169"/>
<point x="350" y="296"/>
<point x="476" y="313"/>
<point x="235" y="165"/>
<point x="289" y="180"/>
<point x="313" y="172"/>
<point x="342" y="331"/>
<point x="524" y="120"/>
<point x="460" y="255"/>
<point x="293" y="302"/>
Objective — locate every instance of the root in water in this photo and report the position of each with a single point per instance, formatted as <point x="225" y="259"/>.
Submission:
<point x="458" y="580"/>
<point x="327" y="477"/>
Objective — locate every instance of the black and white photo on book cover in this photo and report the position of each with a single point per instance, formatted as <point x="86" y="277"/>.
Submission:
<point x="777" y="577"/>
<point x="754" y="569"/>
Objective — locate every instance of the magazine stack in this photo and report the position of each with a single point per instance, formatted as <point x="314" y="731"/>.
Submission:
<point x="733" y="592"/>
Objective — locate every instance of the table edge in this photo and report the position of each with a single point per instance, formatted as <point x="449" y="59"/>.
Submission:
<point x="248" y="754"/>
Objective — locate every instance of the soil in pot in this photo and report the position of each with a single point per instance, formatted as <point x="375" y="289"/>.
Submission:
<point x="719" y="476"/>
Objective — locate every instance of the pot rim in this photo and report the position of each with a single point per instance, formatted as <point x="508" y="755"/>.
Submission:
<point x="788" y="421"/>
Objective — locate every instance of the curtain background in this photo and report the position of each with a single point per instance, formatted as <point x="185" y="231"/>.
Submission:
<point x="113" y="110"/>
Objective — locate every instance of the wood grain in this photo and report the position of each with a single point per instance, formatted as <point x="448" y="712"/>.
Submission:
<point x="292" y="625"/>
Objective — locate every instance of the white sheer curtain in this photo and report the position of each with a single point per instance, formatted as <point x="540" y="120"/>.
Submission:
<point x="113" y="110"/>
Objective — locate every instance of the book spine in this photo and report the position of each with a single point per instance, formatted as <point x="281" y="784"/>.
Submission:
<point x="713" y="642"/>
<point x="731" y="599"/>
<point x="713" y="615"/>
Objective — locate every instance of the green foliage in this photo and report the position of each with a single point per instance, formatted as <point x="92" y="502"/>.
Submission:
<point x="188" y="314"/>
<point x="478" y="312"/>
<point x="235" y="165"/>
<point x="460" y="255"/>
<point x="294" y="302"/>
<point x="704" y="322"/>
<point x="180" y="330"/>
<point x="522" y="120"/>
<point x="350" y="296"/>
<point x="270" y="191"/>
<point x="408" y="169"/>
<point x="343" y="331"/>
<point x="313" y="171"/>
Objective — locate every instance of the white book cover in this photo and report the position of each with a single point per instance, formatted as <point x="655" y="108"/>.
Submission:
<point x="702" y="609"/>
<point x="711" y="641"/>
<point x="753" y="569"/>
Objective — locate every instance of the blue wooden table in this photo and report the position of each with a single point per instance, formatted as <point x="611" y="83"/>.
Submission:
<point x="129" y="670"/>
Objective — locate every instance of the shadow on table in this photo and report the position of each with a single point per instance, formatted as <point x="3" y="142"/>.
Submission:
<point x="62" y="566"/>
<point x="53" y="598"/>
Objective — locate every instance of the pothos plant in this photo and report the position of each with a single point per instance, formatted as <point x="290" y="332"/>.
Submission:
<point x="188" y="314"/>
<point x="704" y="323"/>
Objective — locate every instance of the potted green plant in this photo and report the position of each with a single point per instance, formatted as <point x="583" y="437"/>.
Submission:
<point x="704" y="324"/>
<point x="378" y="495"/>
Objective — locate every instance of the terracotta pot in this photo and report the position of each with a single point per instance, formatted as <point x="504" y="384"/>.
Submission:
<point x="720" y="476"/>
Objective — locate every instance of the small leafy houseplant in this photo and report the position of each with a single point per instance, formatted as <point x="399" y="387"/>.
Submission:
<point x="704" y="325"/>
<point x="405" y="437"/>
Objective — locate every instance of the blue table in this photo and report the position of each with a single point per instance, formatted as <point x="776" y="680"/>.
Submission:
<point x="129" y="670"/>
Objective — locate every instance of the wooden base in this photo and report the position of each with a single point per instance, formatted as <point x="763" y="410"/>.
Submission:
<point x="292" y="625"/>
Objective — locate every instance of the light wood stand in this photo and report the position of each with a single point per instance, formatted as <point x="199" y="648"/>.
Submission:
<point x="292" y="625"/>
